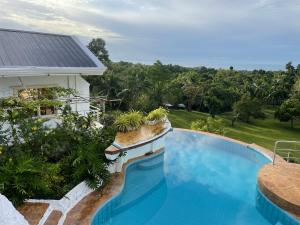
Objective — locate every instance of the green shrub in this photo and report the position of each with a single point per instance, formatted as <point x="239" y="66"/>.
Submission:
<point x="24" y="176"/>
<point x="210" y="124"/>
<point x="129" y="121"/>
<point x="157" y="114"/>
<point x="38" y="162"/>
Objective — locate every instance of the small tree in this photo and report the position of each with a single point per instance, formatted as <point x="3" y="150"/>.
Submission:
<point x="296" y="89"/>
<point x="213" y="104"/>
<point x="289" y="111"/>
<point x="246" y="108"/>
<point x="209" y="124"/>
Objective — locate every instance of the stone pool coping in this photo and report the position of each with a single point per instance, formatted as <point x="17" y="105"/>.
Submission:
<point x="281" y="184"/>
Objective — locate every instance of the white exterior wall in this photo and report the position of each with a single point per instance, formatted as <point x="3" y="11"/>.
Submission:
<point x="10" y="85"/>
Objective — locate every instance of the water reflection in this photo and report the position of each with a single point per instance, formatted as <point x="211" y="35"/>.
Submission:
<point x="219" y="166"/>
<point x="198" y="180"/>
<point x="142" y="179"/>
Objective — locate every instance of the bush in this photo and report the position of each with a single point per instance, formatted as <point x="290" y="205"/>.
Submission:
<point x="289" y="110"/>
<point x="38" y="162"/>
<point x="210" y="124"/>
<point x="129" y="121"/>
<point x="246" y="108"/>
<point x="157" y="114"/>
<point x="109" y="118"/>
<point x="23" y="177"/>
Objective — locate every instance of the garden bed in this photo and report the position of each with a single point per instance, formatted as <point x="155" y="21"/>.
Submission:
<point x="145" y="132"/>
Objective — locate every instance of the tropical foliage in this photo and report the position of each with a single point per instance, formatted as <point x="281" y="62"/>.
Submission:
<point x="289" y="111"/>
<point x="209" y="124"/>
<point x="246" y="108"/>
<point x="157" y="114"/>
<point x="214" y="91"/>
<point x="41" y="162"/>
<point x="129" y="121"/>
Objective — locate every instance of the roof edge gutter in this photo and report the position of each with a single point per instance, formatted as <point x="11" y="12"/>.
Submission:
<point x="48" y="71"/>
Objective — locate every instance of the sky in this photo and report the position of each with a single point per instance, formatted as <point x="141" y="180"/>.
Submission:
<point x="245" y="34"/>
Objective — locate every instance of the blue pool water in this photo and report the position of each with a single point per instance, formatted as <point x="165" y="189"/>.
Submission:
<point x="198" y="180"/>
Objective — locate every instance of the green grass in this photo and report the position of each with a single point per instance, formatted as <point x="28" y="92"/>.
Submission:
<point x="262" y="132"/>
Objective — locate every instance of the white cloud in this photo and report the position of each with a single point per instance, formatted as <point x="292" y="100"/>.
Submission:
<point x="59" y="24"/>
<point x="199" y="14"/>
<point x="52" y="16"/>
<point x="194" y="31"/>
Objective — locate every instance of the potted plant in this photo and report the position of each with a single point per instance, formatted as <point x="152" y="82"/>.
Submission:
<point x="129" y="121"/>
<point x="157" y="116"/>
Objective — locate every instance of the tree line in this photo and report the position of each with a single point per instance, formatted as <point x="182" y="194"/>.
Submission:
<point x="145" y="87"/>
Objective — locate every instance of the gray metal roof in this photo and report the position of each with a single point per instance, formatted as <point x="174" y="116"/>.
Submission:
<point x="34" y="49"/>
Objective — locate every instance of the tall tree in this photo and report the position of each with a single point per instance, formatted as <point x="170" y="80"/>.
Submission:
<point x="189" y="84"/>
<point x="97" y="46"/>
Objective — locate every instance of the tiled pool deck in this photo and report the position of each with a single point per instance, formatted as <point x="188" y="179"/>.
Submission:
<point x="33" y="212"/>
<point x="281" y="184"/>
<point x="270" y="182"/>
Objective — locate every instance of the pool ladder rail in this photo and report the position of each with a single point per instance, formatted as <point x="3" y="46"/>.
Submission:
<point x="287" y="153"/>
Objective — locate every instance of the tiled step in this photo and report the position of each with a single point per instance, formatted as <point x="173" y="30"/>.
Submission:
<point x="53" y="218"/>
<point x="33" y="212"/>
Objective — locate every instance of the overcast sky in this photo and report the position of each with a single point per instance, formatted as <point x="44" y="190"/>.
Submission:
<point x="246" y="34"/>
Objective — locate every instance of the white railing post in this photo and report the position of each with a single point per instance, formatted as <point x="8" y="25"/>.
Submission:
<point x="288" y="150"/>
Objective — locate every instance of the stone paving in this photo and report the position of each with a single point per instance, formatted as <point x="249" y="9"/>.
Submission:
<point x="33" y="212"/>
<point x="82" y="213"/>
<point x="53" y="218"/>
<point x="281" y="184"/>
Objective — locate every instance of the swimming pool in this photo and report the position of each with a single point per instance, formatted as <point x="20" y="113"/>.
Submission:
<point x="198" y="179"/>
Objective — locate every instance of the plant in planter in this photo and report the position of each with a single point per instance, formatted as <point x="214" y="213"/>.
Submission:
<point x="129" y="121"/>
<point x="156" y="116"/>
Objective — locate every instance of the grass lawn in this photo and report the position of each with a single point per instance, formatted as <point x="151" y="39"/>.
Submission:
<point x="262" y="132"/>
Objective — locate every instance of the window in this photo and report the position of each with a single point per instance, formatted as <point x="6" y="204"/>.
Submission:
<point x="39" y="93"/>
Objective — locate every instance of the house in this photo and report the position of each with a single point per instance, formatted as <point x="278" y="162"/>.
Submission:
<point x="35" y="61"/>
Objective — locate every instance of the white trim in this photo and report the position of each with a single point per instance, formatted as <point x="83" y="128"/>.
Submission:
<point x="66" y="203"/>
<point x="49" y="71"/>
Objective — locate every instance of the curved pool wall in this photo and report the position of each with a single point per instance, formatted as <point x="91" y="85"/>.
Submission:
<point x="273" y="213"/>
<point x="153" y="166"/>
<point x="157" y="174"/>
<point x="139" y="149"/>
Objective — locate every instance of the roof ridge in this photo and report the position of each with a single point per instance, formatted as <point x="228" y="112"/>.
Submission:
<point x="33" y="32"/>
